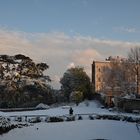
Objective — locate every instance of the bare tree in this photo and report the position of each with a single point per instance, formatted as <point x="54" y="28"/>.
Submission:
<point x="113" y="74"/>
<point x="134" y="59"/>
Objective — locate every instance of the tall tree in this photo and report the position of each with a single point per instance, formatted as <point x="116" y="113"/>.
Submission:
<point x="113" y="74"/>
<point x="16" y="72"/>
<point x="122" y="73"/>
<point x="134" y="59"/>
<point x="76" y="79"/>
<point x="116" y="76"/>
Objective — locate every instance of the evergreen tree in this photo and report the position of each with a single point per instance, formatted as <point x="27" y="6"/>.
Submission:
<point x="18" y="72"/>
<point x="76" y="79"/>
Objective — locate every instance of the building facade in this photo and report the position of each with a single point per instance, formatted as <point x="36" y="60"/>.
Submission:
<point x="97" y="74"/>
<point x="100" y="72"/>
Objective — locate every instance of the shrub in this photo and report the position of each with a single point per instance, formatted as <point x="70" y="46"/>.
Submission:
<point x="5" y="125"/>
<point x="98" y="117"/>
<point x="76" y="96"/>
<point x="80" y="118"/>
<point x="35" y="120"/>
<point x="70" y="118"/>
<point x="18" y="119"/>
<point x="91" y="117"/>
<point x="4" y="105"/>
<point x="56" y="119"/>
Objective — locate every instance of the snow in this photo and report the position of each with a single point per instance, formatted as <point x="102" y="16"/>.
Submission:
<point x="4" y="122"/>
<point x="77" y="130"/>
<point x="66" y="107"/>
<point x="82" y="108"/>
<point x="93" y="107"/>
<point x="42" y="106"/>
<point x="129" y="96"/>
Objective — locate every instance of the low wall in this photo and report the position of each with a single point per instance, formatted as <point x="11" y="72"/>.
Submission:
<point x="128" y="105"/>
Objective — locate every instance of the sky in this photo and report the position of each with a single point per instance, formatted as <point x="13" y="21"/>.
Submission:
<point x="66" y="33"/>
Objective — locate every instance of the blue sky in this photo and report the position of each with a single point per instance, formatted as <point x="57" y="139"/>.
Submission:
<point x="100" y="18"/>
<point x="73" y="32"/>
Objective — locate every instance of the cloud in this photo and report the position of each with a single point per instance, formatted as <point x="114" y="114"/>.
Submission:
<point x="71" y="65"/>
<point x="60" y="50"/>
<point x="126" y="30"/>
<point x="85" y="58"/>
<point x="82" y="57"/>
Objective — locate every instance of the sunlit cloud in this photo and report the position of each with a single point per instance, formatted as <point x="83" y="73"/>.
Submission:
<point x="71" y="65"/>
<point x="85" y="58"/>
<point x="60" y="50"/>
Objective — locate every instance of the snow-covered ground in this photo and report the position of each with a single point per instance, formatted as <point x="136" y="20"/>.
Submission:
<point x="76" y="130"/>
<point x="94" y="107"/>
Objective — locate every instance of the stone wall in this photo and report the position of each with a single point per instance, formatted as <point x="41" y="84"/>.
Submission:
<point x="127" y="105"/>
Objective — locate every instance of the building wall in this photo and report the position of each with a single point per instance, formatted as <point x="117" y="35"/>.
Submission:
<point x="98" y="69"/>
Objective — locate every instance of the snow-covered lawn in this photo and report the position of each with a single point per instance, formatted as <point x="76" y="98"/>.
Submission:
<point x="94" y="107"/>
<point x="75" y="130"/>
<point x="62" y="110"/>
